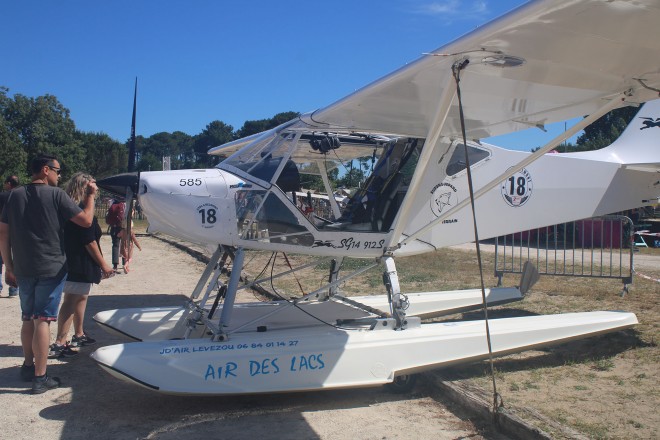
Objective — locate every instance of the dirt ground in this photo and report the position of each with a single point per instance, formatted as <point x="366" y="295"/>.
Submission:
<point x="92" y="404"/>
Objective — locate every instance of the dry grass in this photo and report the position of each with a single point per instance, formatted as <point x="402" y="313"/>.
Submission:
<point x="604" y="387"/>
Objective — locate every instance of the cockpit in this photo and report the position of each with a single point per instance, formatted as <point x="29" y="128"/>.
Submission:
<point x="292" y="182"/>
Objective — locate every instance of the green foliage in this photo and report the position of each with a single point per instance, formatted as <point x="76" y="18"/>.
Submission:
<point x="602" y="132"/>
<point x="149" y="162"/>
<point x="216" y="133"/>
<point x="309" y="181"/>
<point x="104" y="156"/>
<point x="606" y="129"/>
<point x="257" y="126"/>
<point x="309" y="178"/>
<point x="354" y="177"/>
<point x="178" y="146"/>
<point x="13" y="158"/>
<point x="37" y="125"/>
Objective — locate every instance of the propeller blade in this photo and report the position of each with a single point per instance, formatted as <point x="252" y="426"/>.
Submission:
<point x="131" y="142"/>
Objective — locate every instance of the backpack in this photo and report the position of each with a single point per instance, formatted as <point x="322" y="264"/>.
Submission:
<point x="115" y="214"/>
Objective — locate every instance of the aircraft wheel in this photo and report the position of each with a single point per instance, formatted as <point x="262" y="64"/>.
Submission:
<point x="402" y="384"/>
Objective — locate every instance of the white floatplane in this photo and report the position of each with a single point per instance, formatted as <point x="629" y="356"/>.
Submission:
<point x="544" y="62"/>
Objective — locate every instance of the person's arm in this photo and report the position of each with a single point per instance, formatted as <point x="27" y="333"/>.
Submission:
<point x="86" y="217"/>
<point x="5" y="250"/>
<point x="134" y="238"/>
<point x="93" y="250"/>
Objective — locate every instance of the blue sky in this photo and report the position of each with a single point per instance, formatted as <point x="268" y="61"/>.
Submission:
<point x="203" y="60"/>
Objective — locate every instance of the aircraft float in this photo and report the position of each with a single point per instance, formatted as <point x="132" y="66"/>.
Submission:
<point x="544" y="62"/>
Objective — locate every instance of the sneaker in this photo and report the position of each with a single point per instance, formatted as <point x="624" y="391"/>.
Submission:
<point x="44" y="383"/>
<point x="58" y="351"/>
<point x="82" y="341"/>
<point x="27" y="372"/>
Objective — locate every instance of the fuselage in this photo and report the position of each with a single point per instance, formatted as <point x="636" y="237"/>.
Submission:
<point x="250" y="201"/>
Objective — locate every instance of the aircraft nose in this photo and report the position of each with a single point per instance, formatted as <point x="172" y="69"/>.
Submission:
<point x="178" y="203"/>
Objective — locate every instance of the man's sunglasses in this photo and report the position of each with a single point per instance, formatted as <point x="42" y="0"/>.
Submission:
<point x="57" y="170"/>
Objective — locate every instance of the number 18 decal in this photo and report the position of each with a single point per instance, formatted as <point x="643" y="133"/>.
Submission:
<point x="207" y="215"/>
<point x="517" y="189"/>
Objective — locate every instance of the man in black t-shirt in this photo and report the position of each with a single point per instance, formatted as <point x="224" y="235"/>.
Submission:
<point x="11" y="182"/>
<point x="31" y="242"/>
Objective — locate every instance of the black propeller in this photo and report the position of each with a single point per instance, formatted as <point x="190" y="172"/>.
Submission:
<point x="118" y="184"/>
<point x="126" y="185"/>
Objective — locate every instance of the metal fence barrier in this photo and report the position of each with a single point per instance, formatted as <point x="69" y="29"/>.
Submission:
<point x="599" y="247"/>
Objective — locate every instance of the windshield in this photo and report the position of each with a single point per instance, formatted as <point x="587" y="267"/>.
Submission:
<point x="263" y="158"/>
<point x="339" y="181"/>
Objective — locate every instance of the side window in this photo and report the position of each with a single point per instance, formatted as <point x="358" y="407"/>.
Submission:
<point x="268" y="219"/>
<point x="457" y="162"/>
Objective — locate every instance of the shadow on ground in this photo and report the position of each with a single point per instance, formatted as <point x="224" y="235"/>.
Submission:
<point x="580" y="351"/>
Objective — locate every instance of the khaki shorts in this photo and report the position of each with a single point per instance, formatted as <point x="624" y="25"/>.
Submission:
<point x="76" y="288"/>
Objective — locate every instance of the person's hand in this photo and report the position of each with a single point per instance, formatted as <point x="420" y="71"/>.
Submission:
<point x="92" y="188"/>
<point x="10" y="278"/>
<point x="107" y="272"/>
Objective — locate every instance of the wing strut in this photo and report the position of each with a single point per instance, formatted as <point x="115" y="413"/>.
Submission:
<point x="444" y="105"/>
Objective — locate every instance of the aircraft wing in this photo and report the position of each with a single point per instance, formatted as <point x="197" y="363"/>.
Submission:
<point x="575" y="55"/>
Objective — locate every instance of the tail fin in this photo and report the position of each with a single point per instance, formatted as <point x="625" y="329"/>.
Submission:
<point x="639" y="144"/>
